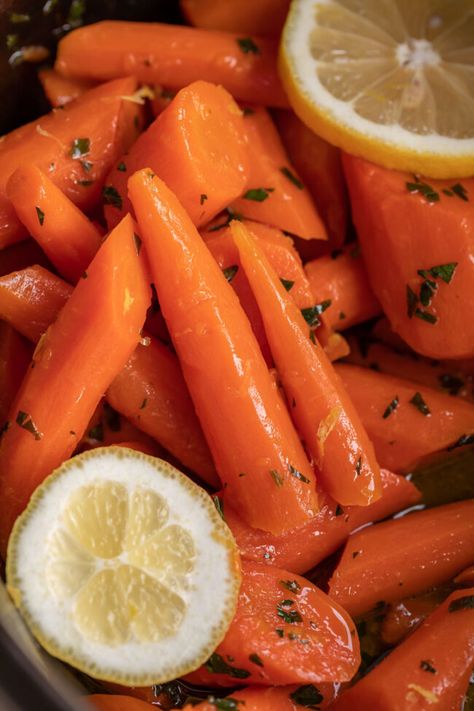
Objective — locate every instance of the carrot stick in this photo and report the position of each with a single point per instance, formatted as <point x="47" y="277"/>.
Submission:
<point x="405" y="420"/>
<point x="246" y="426"/>
<point x="114" y="702"/>
<point x="321" y="409"/>
<point x="21" y="255"/>
<point x="67" y="237"/>
<point x="262" y="17"/>
<point x="285" y="631"/>
<point x="404" y="617"/>
<point x="78" y="143"/>
<point x="303" y="548"/>
<point x="197" y="146"/>
<point x="276" y="195"/>
<point x="15" y="357"/>
<point x="174" y="56"/>
<point x="59" y="90"/>
<point x="430" y="669"/>
<point x="273" y="698"/>
<point x="403" y="557"/>
<point x="58" y="395"/>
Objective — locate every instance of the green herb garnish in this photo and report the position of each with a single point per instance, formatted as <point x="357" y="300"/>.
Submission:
<point x="426" y="316"/>
<point x="230" y="272"/>
<point x="311" y="313"/>
<point x="23" y="419"/>
<point x="418" y="402"/>
<point x="255" y="659"/>
<point x="257" y="194"/>
<point x="298" y="475"/>
<point x="40" y="214"/>
<point x="80" y="147"/>
<point x="112" y="197"/>
<point x="248" y="46"/>
<point x="308" y="696"/>
<point x="217" y="665"/>
<point x="277" y="478"/>
<point x="424" y="189"/>
<point x="292" y="177"/>
<point x="452" y="383"/>
<point x="427" y="666"/>
<point x="460" y="191"/>
<point x="287" y="283"/>
<point x="202" y="199"/>
<point x="463" y="440"/>
<point x="289" y="616"/>
<point x="391" y="407"/>
<point x="122" y="167"/>
<point x="461" y="603"/>
<point x="291" y="585"/>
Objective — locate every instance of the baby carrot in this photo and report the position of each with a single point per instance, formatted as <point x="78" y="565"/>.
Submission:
<point x="66" y="235"/>
<point x="261" y="17"/>
<point x="114" y="702"/>
<point x="273" y="698"/>
<point x="320" y="407"/>
<point x="403" y="557"/>
<point x="256" y="450"/>
<point x="15" y="357"/>
<point x="59" y="90"/>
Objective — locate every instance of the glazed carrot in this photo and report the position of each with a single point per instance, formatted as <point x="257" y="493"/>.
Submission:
<point x="319" y="164"/>
<point x="404" y="617"/>
<point x="273" y="698"/>
<point x="405" y="420"/>
<point x="285" y="631"/>
<point x="31" y="299"/>
<point x="262" y="17"/>
<point x="403" y="557"/>
<point x="67" y="237"/>
<point x="78" y="143"/>
<point x="275" y="194"/>
<point x="197" y="146"/>
<point x="431" y="669"/>
<point x="248" y="430"/>
<point x="113" y="702"/>
<point x="58" y="395"/>
<point x="425" y="293"/>
<point x="465" y="577"/>
<point x="303" y="548"/>
<point x="15" y="357"/>
<point x="321" y="409"/>
<point x="341" y="278"/>
<point x="22" y="254"/>
<point x="59" y="90"/>
<point x="174" y="56"/>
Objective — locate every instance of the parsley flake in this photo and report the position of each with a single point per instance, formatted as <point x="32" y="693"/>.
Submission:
<point x="202" y="199"/>
<point x="289" y="616"/>
<point x="391" y="407"/>
<point x="230" y="272"/>
<point x="291" y="585"/>
<point x="227" y="704"/>
<point x="217" y="665"/>
<point x="427" y="666"/>
<point x="277" y="478"/>
<point x="308" y="696"/>
<point x="358" y="466"/>
<point x="112" y="197"/>
<point x="87" y="165"/>
<point x="426" y="316"/>
<point x="418" y="402"/>
<point x="461" y="603"/>
<point x="339" y="511"/>
<point x="463" y="440"/>
<point x="279" y="631"/>
<point x="292" y="177"/>
<point x="443" y="271"/>
<point x="424" y="189"/>
<point x="257" y="194"/>
<point x="23" y="419"/>
<point x="298" y="475"/>
<point x="248" y="46"/>
<point x="255" y="659"/>
<point x="460" y="191"/>
<point x="452" y="383"/>
<point x="287" y="283"/>
<point x="80" y="147"/>
<point x="122" y="167"/>
<point x="311" y="313"/>
<point x="40" y="214"/>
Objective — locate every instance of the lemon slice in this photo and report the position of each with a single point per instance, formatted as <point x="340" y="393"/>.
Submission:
<point x="122" y="567"/>
<point x="390" y="80"/>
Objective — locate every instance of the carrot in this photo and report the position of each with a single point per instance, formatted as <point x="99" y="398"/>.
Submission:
<point x="431" y="669"/>
<point x="262" y="17"/>
<point x="273" y="698"/>
<point x="426" y="296"/>
<point x="325" y="416"/>
<point x="15" y="357"/>
<point x="405" y="420"/>
<point x="319" y="164"/>
<point x="404" y="617"/>
<point x="249" y="432"/>
<point x="197" y="146"/>
<point x="78" y="143"/>
<point x="67" y="237"/>
<point x="465" y="577"/>
<point x="303" y="548"/>
<point x="31" y="299"/>
<point x="59" y="90"/>
<point x="285" y="631"/>
<point x="174" y="56"/>
<point x="59" y="394"/>
<point x="21" y="255"/>
<point x="113" y="702"/>
<point x="403" y="557"/>
<point x="276" y="195"/>
<point x="341" y="278"/>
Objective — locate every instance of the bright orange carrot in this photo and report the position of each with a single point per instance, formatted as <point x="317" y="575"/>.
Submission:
<point x="249" y="432"/>
<point x="15" y="357"/>
<point x="325" y="416"/>
<point x="78" y="143"/>
<point x="273" y="698"/>
<point x="342" y="279"/>
<point x="59" y="90"/>
<point x="431" y="669"/>
<point x="113" y="702"/>
<point x="197" y="146"/>
<point x="303" y="548"/>
<point x="59" y="395"/>
<point x="403" y="557"/>
<point x="275" y="194"/>
<point x="67" y="237"/>
<point x="425" y="293"/>
<point x="174" y="56"/>
<point x="405" y="420"/>
<point x="319" y="164"/>
<point x="285" y="631"/>
<point x="21" y="255"/>
<point x="262" y="17"/>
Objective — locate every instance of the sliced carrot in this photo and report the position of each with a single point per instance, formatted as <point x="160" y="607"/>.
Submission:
<point x="325" y="416"/>
<point x="22" y="254"/>
<point x="59" y="90"/>
<point x="174" y="56"/>
<point x="59" y="394"/>
<point x="431" y="669"/>
<point x="275" y="194"/>
<point x="67" y="237"/>
<point x="405" y="616"/>
<point x="405" y="420"/>
<point x="114" y="702"/>
<point x="403" y="557"/>
<point x="425" y="293"/>
<point x="303" y="548"/>
<point x="15" y="357"/>
<point x="262" y="17"/>
<point x="285" y="631"/>
<point x="78" y="143"/>
<point x="246" y="426"/>
<point x="273" y="698"/>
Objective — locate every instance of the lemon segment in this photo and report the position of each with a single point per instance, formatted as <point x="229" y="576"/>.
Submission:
<point x="122" y="567"/>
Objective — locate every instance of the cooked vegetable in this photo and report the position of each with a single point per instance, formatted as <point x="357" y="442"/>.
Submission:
<point x="60" y="90"/>
<point x="263" y="17"/>
<point x="283" y="698"/>
<point x="15" y="357"/>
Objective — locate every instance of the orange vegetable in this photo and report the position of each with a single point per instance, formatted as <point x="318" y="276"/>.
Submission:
<point x="395" y="222"/>
<point x="341" y="278"/>
<point x="113" y="702"/>
<point x="59" y="90"/>
<point x="67" y="237"/>
<point x="303" y="548"/>
<point x="249" y="432"/>
<point x="275" y="194"/>
<point x="325" y="416"/>
<point x="405" y="420"/>
<point x="405" y="616"/>
<point x="261" y="17"/>
<point x="430" y="669"/>
<point x="174" y="56"/>
<point x="71" y="373"/>
<point x="465" y="577"/>
<point x="317" y="641"/>
<point x="403" y="557"/>
<point x="197" y="146"/>
<point x="274" y="698"/>
<point x="15" y="357"/>
<point x="319" y="164"/>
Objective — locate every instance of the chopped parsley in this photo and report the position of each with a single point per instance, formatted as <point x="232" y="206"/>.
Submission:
<point x="418" y="402"/>
<point x="122" y="167"/>
<point x="219" y="506"/>
<point x="137" y="241"/>
<point x="427" y="666"/>
<point x="291" y="585"/>
<point x="460" y="191"/>
<point x="277" y="478"/>
<point x="463" y="440"/>
<point x="461" y="603"/>
<point x="308" y="696"/>
<point x="202" y="199"/>
<point x="298" y="475"/>
<point x="257" y="194"/>
<point x="289" y="616"/>
<point x="391" y="407"/>
<point x="112" y="197"/>
<point x="230" y="272"/>
<point x="424" y="189"/>
<point x="144" y="403"/>
<point x="279" y="632"/>
<point x="441" y="271"/>
<point x="227" y="704"/>
<point x="339" y="511"/>
<point x="426" y="316"/>
<point x="80" y="147"/>
<point x="23" y="419"/>
<point x="311" y="313"/>
<point x="217" y="665"/>
<point x="358" y="466"/>
<point x="87" y="165"/>
<point x="248" y="46"/>
<point x="292" y="177"/>
<point x="40" y="214"/>
<point x="452" y="383"/>
<point x="287" y="283"/>
<point x="255" y="659"/>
